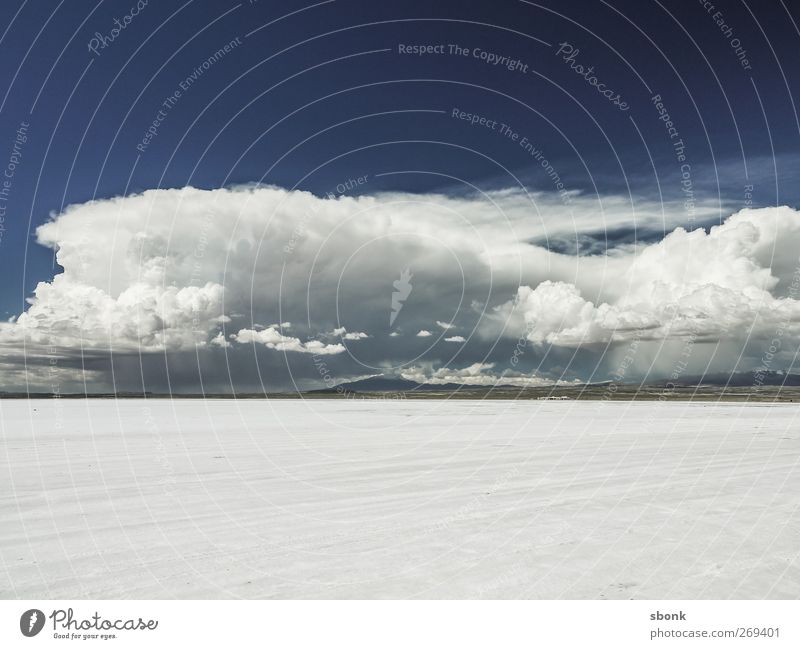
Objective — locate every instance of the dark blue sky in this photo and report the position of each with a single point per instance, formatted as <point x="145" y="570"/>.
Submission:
<point x="313" y="98"/>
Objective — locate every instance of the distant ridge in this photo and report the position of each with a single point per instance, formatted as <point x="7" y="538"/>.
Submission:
<point x="737" y="379"/>
<point x="382" y="385"/>
<point x="385" y="384"/>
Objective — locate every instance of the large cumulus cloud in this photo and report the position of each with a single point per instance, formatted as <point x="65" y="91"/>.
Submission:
<point x="738" y="281"/>
<point x="143" y="317"/>
<point x="202" y="273"/>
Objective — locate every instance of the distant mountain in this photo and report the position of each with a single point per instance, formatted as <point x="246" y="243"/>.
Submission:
<point x="387" y="384"/>
<point x="736" y="380"/>
<point x="375" y="384"/>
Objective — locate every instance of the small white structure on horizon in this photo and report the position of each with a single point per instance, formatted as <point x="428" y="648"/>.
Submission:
<point x="554" y="398"/>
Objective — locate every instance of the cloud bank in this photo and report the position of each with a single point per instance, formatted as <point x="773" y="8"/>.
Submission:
<point x="740" y="280"/>
<point x="188" y="274"/>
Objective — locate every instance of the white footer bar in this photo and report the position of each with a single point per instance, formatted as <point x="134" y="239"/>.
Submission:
<point x="400" y="624"/>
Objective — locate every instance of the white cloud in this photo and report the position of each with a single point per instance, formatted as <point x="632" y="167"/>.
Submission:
<point x="349" y="335"/>
<point x="740" y="280"/>
<point x="142" y="317"/>
<point x="219" y="341"/>
<point x="475" y="374"/>
<point x="274" y="339"/>
<point x="455" y="339"/>
<point x="422" y="333"/>
<point x="445" y="325"/>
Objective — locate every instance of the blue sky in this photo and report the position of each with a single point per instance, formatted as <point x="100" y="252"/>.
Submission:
<point x="310" y="96"/>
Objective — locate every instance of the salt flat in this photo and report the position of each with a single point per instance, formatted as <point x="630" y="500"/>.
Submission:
<point x="396" y="499"/>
